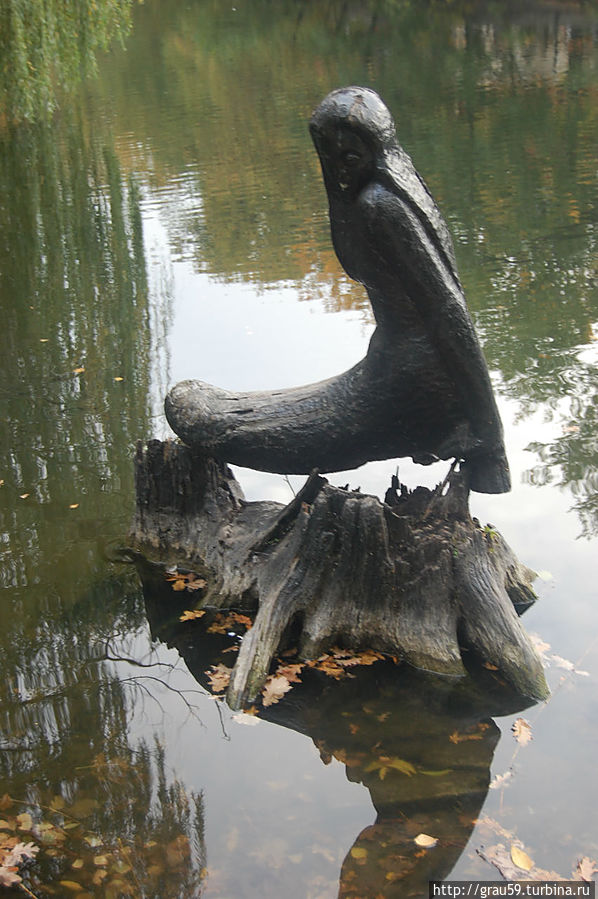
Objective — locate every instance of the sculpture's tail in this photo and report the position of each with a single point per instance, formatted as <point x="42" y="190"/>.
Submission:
<point x="488" y="473"/>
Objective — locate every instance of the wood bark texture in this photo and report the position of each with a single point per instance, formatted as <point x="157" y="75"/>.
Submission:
<point x="415" y="576"/>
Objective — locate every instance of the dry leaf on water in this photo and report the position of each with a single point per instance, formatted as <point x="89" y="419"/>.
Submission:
<point x="192" y="614"/>
<point x="291" y="672"/>
<point x="219" y="677"/>
<point x="274" y="689"/>
<point x="186" y="581"/>
<point x="520" y="858"/>
<point x="585" y="869"/>
<point x="501" y="780"/>
<point x="522" y="731"/>
<point x="456" y="737"/>
<point x="223" y="623"/>
<point x="512" y="863"/>
<point x="425" y="841"/>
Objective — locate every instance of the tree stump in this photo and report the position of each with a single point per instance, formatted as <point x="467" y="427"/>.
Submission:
<point x="414" y="577"/>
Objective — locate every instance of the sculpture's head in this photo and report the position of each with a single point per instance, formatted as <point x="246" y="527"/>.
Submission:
<point x="353" y="131"/>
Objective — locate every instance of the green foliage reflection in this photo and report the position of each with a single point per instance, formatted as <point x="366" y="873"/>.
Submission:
<point x="49" y="46"/>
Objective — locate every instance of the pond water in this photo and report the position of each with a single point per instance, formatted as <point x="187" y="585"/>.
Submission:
<point x="168" y="220"/>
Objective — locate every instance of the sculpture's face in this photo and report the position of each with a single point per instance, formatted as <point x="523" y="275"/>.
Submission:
<point x="347" y="160"/>
<point x="351" y="129"/>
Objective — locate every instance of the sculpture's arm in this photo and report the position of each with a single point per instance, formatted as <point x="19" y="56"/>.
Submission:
<point x="408" y="258"/>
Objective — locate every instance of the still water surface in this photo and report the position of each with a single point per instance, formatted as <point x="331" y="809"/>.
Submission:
<point x="169" y="221"/>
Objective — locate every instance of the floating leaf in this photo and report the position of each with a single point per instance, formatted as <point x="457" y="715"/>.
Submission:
<point x="291" y="672"/>
<point x="78" y="371"/>
<point x="24" y="821"/>
<point x="242" y="718"/>
<point x="359" y="852"/>
<point x="19" y="852"/>
<point x="71" y="885"/>
<point x="74" y="506"/>
<point x="274" y="689"/>
<point x="585" y="869"/>
<point x="219" y="677"/>
<point x="192" y="614"/>
<point x="100" y="861"/>
<point x="501" y="780"/>
<point x="92" y="840"/>
<point x="9" y="876"/>
<point x="456" y="737"/>
<point x="441" y="773"/>
<point x="424" y="841"/>
<point x="521" y="858"/>
<point x="78" y="863"/>
<point x="522" y="731"/>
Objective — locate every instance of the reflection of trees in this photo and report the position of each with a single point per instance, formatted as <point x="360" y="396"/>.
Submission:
<point x="115" y="826"/>
<point x="50" y="46"/>
<point x="73" y="292"/>
<point x="74" y="389"/>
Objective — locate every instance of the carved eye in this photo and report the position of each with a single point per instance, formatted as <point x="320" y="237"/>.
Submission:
<point x="350" y="157"/>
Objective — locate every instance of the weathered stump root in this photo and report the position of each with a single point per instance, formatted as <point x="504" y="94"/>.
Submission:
<point x="414" y="576"/>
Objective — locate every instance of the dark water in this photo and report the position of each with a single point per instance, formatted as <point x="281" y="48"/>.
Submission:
<point x="169" y="221"/>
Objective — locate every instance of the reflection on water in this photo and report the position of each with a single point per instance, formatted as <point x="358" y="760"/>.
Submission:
<point x="49" y="47"/>
<point x="170" y="221"/>
<point x="422" y="746"/>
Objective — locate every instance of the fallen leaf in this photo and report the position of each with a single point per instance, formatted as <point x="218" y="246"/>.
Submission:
<point x="274" y="689"/>
<point x="92" y="840"/>
<point x="24" y="495"/>
<point x="78" y="863"/>
<point x="119" y="379"/>
<point x="585" y="869"/>
<point x="219" y="677"/>
<point x="425" y="841"/>
<point x="501" y="780"/>
<point x="560" y="662"/>
<point x="71" y="885"/>
<point x="100" y="861"/>
<point x="78" y="371"/>
<point x="9" y="876"/>
<point x="490" y="666"/>
<point x="291" y="672"/>
<point x="521" y="858"/>
<point x="359" y="852"/>
<point x="192" y="614"/>
<point x="24" y="821"/>
<point x="522" y="731"/>
<point x="19" y="852"/>
<point x="222" y="624"/>
<point x="74" y="506"/>
<point x="243" y="718"/>
<point x="456" y="737"/>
